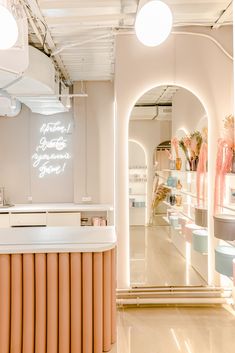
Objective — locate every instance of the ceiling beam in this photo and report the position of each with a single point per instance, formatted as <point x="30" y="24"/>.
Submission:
<point x="37" y="13"/>
<point x="226" y="15"/>
<point x="80" y="20"/>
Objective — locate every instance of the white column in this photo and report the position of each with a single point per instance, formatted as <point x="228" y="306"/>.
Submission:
<point x="121" y="202"/>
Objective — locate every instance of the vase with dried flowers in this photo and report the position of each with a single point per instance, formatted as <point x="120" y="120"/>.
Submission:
<point x="191" y="146"/>
<point x="171" y="160"/>
<point x="184" y="144"/>
<point x="175" y="145"/>
<point x="202" y="169"/>
<point x="196" y="142"/>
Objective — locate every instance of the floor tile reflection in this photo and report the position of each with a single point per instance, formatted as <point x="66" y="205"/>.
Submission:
<point x="156" y="261"/>
<point x="175" y="329"/>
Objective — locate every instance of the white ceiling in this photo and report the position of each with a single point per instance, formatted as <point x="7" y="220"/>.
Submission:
<point x="148" y="106"/>
<point x="83" y="31"/>
<point x="161" y="95"/>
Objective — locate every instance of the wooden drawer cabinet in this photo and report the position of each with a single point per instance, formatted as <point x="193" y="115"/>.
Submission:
<point x="28" y="219"/>
<point x="64" y="219"/>
<point x="4" y="220"/>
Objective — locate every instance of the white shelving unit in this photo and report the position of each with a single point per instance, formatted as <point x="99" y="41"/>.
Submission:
<point x="187" y="210"/>
<point x="137" y="194"/>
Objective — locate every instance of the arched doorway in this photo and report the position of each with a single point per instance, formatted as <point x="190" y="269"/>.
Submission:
<point x="127" y="249"/>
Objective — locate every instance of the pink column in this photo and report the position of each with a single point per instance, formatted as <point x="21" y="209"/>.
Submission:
<point x="52" y="303"/>
<point x="87" y="336"/>
<point x="28" y="303"/>
<point x="98" y="302"/>
<point x="40" y="288"/>
<point x="107" y="301"/>
<point x="76" y="302"/>
<point x="64" y="303"/>
<point x="16" y="303"/>
<point x="5" y="295"/>
<point x="113" y="299"/>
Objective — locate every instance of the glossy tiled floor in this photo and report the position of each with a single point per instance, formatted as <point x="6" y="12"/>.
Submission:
<point x="155" y="260"/>
<point x="175" y="330"/>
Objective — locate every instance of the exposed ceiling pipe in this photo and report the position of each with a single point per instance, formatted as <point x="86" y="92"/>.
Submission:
<point x="73" y="95"/>
<point x="78" y="43"/>
<point x="215" y="41"/>
<point x="33" y="5"/>
<point x="223" y="16"/>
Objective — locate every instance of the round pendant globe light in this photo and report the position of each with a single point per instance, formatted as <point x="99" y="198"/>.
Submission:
<point x="8" y="28"/>
<point x="153" y="23"/>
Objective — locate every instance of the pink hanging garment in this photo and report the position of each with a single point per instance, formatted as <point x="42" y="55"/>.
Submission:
<point x="223" y="165"/>
<point x="201" y="174"/>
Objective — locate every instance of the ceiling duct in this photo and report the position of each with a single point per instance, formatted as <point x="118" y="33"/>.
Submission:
<point x="164" y="113"/>
<point x="144" y="112"/>
<point x="39" y="87"/>
<point x="151" y="112"/>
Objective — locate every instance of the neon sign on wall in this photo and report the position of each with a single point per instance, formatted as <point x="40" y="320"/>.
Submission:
<point x="51" y="155"/>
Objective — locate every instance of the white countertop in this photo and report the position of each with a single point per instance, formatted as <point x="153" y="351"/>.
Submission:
<point x="56" y="207"/>
<point x="56" y="239"/>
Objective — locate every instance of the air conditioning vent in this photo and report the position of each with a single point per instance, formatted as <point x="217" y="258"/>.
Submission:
<point x="164" y="113"/>
<point x="144" y="113"/>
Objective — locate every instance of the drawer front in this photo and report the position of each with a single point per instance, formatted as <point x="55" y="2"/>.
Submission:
<point x="4" y="220"/>
<point x="28" y="219"/>
<point x="64" y="219"/>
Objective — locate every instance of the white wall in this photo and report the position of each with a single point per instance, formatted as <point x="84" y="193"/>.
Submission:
<point x="187" y="112"/>
<point x="90" y="170"/>
<point x="137" y="156"/>
<point x="19" y="138"/>
<point x="94" y="143"/>
<point x="192" y="62"/>
<point x="149" y="133"/>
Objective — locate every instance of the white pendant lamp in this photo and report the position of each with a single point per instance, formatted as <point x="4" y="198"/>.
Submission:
<point x="8" y="29"/>
<point x="153" y="23"/>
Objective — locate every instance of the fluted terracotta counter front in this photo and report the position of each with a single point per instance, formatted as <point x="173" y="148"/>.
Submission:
<point x="57" y="290"/>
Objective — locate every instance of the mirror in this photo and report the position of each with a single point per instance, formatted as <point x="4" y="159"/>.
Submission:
<point x="168" y="189"/>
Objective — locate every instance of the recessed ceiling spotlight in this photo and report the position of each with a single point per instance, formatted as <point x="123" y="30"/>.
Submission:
<point x="153" y="23"/>
<point x="8" y="28"/>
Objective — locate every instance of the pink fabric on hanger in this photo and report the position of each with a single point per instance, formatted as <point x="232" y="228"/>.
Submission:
<point x="201" y="174"/>
<point x="223" y="165"/>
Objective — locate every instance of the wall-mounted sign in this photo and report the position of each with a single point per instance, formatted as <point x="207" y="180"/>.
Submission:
<point x="51" y="153"/>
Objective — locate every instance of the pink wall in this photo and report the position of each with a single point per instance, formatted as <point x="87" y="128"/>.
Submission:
<point x="192" y="62"/>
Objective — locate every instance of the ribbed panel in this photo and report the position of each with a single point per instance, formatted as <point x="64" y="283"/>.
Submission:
<point x="57" y="303"/>
<point x="16" y="303"/>
<point x="107" y="305"/>
<point x="28" y="303"/>
<point x="52" y="302"/>
<point x="5" y="295"/>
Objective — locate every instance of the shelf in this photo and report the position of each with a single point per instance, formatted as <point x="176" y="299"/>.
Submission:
<point x="230" y="207"/>
<point x="138" y="182"/>
<point x="184" y="192"/>
<point x="137" y="194"/>
<point x="137" y="207"/>
<point x="166" y="219"/>
<point x="137" y="168"/>
<point x="178" y="208"/>
<point x="187" y="216"/>
<point x="179" y="171"/>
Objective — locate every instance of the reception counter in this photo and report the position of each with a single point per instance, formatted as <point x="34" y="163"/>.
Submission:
<point x="57" y="289"/>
